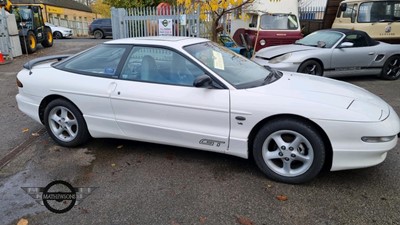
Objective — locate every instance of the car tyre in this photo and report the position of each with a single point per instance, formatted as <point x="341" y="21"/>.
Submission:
<point x="29" y="43"/>
<point x="48" y="41"/>
<point x="311" y="67"/>
<point x="65" y="123"/>
<point x="98" y="34"/>
<point x="57" y="35"/>
<point x="289" y="150"/>
<point x="391" y="68"/>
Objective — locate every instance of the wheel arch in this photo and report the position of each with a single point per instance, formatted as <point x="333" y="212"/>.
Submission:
<point x="328" y="146"/>
<point x="315" y="59"/>
<point x="47" y="100"/>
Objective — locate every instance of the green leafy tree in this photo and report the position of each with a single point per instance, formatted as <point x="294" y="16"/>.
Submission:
<point x="215" y="9"/>
<point x="135" y="3"/>
<point x="101" y="8"/>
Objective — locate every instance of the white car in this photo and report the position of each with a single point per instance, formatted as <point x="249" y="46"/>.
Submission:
<point x="60" y="32"/>
<point x="193" y="93"/>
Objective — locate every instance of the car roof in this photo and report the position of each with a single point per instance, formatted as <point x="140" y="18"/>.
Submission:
<point x="363" y="34"/>
<point x="173" y="41"/>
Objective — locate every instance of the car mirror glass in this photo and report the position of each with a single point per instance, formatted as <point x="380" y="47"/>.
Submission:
<point x="203" y="81"/>
<point x="321" y="44"/>
<point x="346" y="45"/>
<point x="343" y="7"/>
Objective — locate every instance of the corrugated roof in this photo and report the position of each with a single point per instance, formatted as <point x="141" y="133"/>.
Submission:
<point x="69" y="4"/>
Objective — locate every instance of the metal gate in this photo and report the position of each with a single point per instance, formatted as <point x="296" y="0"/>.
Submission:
<point x="153" y="21"/>
<point x="5" y="45"/>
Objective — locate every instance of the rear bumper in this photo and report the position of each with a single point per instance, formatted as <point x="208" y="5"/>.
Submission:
<point x="27" y="106"/>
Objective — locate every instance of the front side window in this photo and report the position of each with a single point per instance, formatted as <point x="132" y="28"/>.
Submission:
<point x="232" y="67"/>
<point x="350" y="11"/>
<point x="159" y="65"/>
<point x="382" y="11"/>
<point x="102" y="60"/>
<point x="278" y="22"/>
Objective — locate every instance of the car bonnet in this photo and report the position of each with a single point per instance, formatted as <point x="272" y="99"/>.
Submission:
<point x="271" y="52"/>
<point x="329" y="92"/>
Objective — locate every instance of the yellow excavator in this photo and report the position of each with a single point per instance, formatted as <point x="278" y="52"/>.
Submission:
<point x="31" y="27"/>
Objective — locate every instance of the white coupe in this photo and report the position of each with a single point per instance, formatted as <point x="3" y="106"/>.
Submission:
<point x="193" y="93"/>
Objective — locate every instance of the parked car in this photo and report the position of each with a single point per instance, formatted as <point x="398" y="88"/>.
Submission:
<point x="194" y="93"/>
<point x="100" y="28"/>
<point x="335" y="52"/>
<point x="60" y="32"/>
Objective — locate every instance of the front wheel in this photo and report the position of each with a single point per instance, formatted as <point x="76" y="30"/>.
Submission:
<point x="311" y="67"/>
<point x="289" y="151"/>
<point x="391" y="68"/>
<point x="65" y="123"/>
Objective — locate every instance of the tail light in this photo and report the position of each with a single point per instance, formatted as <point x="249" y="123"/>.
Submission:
<point x="19" y="84"/>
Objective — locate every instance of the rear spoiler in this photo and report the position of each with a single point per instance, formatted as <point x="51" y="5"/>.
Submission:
<point x="29" y="65"/>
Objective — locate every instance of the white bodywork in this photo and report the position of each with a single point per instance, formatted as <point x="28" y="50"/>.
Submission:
<point x="66" y="32"/>
<point x="204" y="118"/>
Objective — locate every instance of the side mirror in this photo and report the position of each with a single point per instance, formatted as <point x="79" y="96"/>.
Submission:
<point x="346" y="45"/>
<point x="343" y="7"/>
<point x="35" y="9"/>
<point x="202" y="81"/>
<point x="321" y="44"/>
<point x="252" y="25"/>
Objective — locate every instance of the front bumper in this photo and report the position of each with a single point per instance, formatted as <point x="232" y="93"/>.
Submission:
<point x="67" y="34"/>
<point x="350" y="152"/>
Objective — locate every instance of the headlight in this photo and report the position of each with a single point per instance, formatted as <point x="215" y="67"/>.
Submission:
<point x="378" y="139"/>
<point x="280" y="58"/>
<point x="262" y="42"/>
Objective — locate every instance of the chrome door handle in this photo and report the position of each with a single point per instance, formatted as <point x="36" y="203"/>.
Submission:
<point x="371" y="53"/>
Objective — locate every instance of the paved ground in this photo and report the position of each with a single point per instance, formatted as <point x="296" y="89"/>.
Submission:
<point x="141" y="183"/>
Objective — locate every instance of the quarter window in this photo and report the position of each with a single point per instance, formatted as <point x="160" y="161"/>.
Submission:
<point x="101" y="61"/>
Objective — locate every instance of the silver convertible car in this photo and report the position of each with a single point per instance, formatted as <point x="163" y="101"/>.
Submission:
<point x="193" y="93"/>
<point x="335" y="52"/>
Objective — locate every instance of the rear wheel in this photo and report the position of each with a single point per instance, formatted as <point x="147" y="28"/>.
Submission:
<point x="48" y="39"/>
<point x="98" y="34"/>
<point x="57" y="35"/>
<point x="391" y="68"/>
<point x="289" y="151"/>
<point x="29" y="43"/>
<point x="65" y="123"/>
<point x="311" y="67"/>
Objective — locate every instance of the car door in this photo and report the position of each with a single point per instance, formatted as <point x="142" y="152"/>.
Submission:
<point x="88" y="79"/>
<point x="106" y="24"/>
<point x="155" y="101"/>
<point x="355" y="59"/>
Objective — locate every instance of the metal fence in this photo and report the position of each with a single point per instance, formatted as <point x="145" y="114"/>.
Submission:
<point x="5" y="45"/>
<point x="153" y="21"/>
<point x="312" y="9"/>
<point x="311" y="15"/>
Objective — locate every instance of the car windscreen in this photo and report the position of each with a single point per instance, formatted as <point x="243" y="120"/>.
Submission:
<point x="234" y="68"/>
<point x="329" y="38"/>
<point x="278" y="22"/>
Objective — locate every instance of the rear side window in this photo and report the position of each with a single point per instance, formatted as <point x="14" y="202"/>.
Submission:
<point x="106" y="22"/>
<point x="103" y="60"/>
